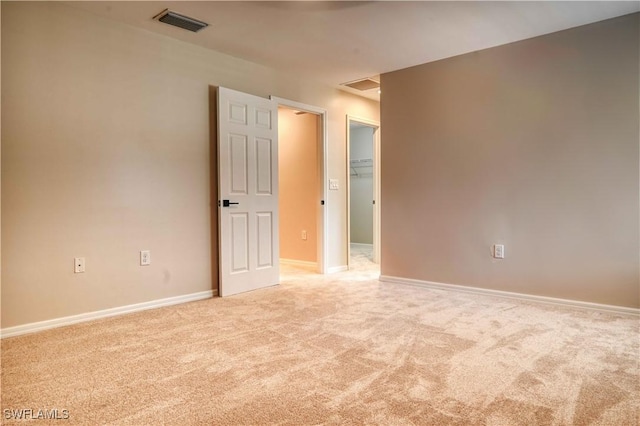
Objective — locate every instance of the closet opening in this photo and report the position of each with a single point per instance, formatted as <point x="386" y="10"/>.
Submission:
<point x="363" y="198"/>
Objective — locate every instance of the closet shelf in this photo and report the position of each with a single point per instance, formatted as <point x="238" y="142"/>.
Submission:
<point x="361" y="163"/>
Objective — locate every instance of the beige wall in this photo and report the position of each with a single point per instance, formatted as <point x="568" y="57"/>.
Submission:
<point x="106" y="151"/>
<point x="533" y="145"/>
<point x="298" y="174"/>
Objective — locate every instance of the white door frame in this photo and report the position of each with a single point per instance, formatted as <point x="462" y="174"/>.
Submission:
<point x="376" y="185"/>
<point x="323" y="223"/>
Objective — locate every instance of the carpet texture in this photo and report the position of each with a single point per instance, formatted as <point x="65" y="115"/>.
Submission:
<point x="338" y="349"/>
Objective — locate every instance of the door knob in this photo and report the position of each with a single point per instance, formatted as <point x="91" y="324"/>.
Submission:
<point x="227" y="203"/>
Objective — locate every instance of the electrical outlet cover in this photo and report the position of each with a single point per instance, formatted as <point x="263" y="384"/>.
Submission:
<point x="145" y="257"/>
<point x="78" y="265"/>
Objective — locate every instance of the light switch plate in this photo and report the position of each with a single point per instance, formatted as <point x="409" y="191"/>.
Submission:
<point x="333" y="184"/>
<point x="145" y="257"/>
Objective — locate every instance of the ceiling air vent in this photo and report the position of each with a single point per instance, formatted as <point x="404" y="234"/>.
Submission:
<point x="363" y="84"/>
<point x="181" y="21"/>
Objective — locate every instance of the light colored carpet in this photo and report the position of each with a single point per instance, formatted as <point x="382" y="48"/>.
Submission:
<point x="362" y="258"/>
<point x="339" y="349"/>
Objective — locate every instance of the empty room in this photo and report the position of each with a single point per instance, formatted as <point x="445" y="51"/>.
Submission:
<point x="258" y="213"/>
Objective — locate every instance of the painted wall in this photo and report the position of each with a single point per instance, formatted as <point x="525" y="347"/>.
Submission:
<point x="533" y="145"/>
<point x="298" y="174"/>
<point x="106" y="146"/>
<point x="361" y="190"/>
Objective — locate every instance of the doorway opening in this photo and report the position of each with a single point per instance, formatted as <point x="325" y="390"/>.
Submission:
<point x="363" y="194"/>
<point x="301" y="175"/>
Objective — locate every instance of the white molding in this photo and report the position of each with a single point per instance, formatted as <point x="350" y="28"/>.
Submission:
<point x="294" y="262"/>
<point x="511" y="295"/>
<point x="89" y="316"/>
<point x="335" y="269"/>
<point x="363" y="245"/>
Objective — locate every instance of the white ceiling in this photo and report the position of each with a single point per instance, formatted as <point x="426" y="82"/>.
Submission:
<point x="336" y="42"/>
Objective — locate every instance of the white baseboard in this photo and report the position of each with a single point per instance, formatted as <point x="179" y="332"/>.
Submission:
<point x="334" y="269"/>
<point x="294" y="262"/>
<point x="363" y="245"/>
<point x="89" y="316"/>
<point x="510" y="295"/>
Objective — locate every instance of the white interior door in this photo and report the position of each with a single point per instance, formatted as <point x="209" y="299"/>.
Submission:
<point x="248" y="192"/>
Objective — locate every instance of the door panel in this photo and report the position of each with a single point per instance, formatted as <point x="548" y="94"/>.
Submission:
<point x="263" y="118"/>
<point x="264" y="163"/>
<point x="248" y="181"/>
<point x="265" y="236"/>
<point x="240" y="242"/>
<point x="238" y="164"/>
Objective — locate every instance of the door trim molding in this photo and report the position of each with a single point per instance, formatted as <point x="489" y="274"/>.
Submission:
<point x="336" y="269"/>
<point x="323" y="220"/>
<point x="376" y="185"/>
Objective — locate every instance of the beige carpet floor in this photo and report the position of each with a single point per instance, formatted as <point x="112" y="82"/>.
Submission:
<point x="338" y="349"/>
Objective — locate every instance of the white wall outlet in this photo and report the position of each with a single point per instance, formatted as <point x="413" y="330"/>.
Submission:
<point x="145" y="257"/>
<point x="78" y="265"/>
<point x="333" y="184"/>
<point x="498" y="251"/>
<point x="304" y="235"/>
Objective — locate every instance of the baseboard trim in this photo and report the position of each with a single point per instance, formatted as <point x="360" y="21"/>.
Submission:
<point x="363" y="245"/>
<point x="89" y="316"/>
<point x="294" y="262"/>
<point x="511" y="295"/>
<point x="335" y="269"/>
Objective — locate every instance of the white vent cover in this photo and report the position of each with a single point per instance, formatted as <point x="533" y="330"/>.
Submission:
<point x="363" y="84"/>
<point x="180" y="21"/>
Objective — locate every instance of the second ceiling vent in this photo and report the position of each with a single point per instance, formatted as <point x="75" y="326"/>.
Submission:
<point x="178" y="20"/>
<point x="363" y="84"/>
